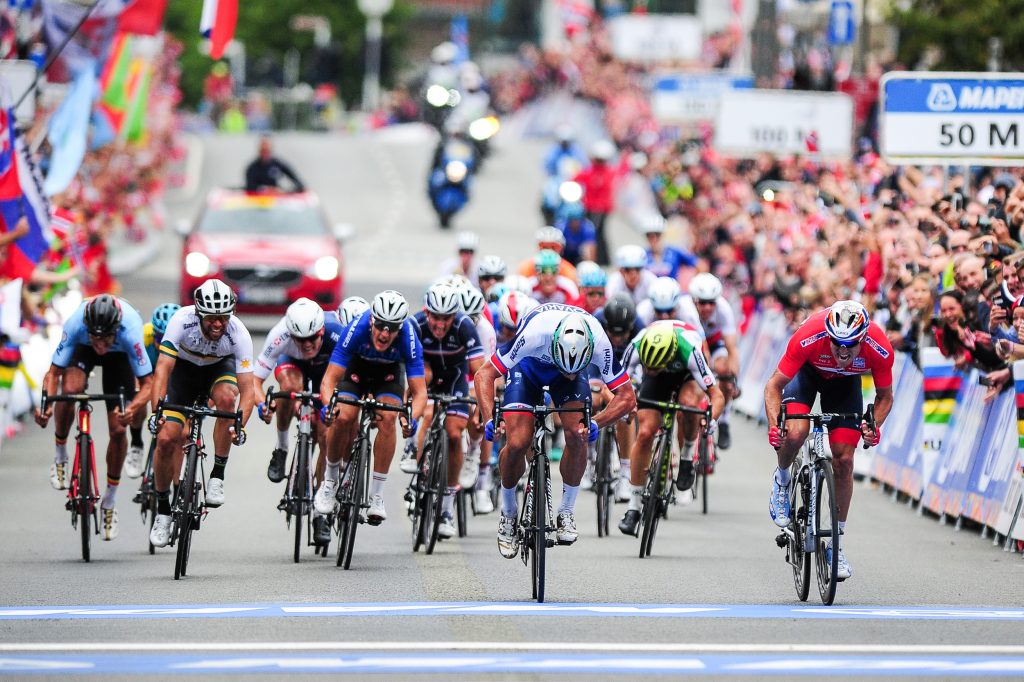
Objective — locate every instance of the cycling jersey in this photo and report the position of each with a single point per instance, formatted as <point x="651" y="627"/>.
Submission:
<point x="617" y="285"/>
<point x="184" y="340"/>
<point x="811" y="345"/>
<point x="621" y="347"/>
<point x="682" y="312"/>
<point x="280" y="347"/>
<point x="565" y="291"/>
<point x="688" y="358"/>
<point x="722" y="322"/>
<point x="669" y="262"/>
<point x="530" y="348"/>
<point x="151" y="342"/>
<point x="448" y="355"/>
<point x="127" y="339"/>
<point x="488" y="339"/>
<point x="357" y="342"/>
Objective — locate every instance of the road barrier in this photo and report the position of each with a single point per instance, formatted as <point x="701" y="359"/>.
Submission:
<point x="943" y="445"/>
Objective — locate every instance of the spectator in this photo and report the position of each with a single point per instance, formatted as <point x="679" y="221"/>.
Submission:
<point x="598" y="182"/>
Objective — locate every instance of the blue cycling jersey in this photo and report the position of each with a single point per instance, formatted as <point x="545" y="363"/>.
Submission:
<point x="584" y="233"/>
<point x="128" y="339"/>
<point x="357" y="342"/>
<point x="449" y="354"/>
<point x="671" y="260"/>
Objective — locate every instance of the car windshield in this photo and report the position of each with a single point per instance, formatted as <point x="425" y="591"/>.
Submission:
<point x="282" y="218"/>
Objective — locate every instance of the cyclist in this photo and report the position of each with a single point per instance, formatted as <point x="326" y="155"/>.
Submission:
<point x="618" y="317"/>
<point x="451" y="346"/>
<point x="476" y="465"/>
<point x="152" y="334"/>
<point x="103" y="332"/>
<point x="665" y="302"/>
<point x="669" y="351"/>
<point x="553" y="348"/>
<point x="465" y="262"/>
<point x="578" y="232"/>
<point x="297" y="351"/>
<point x="632" y="278"/>
<point x="512" y="307"/>
<point x="489" y="272"/>
<point x="664" y="260"/>
<point x="206" y="354"/>
<point x="826" y="356"/>
<point x="369" y="359"/>
<point x="592" y="282"/>
<point x="550" y="239"/>
<point x="706" y="304"/>
<point x="549" y="286"/>
<point x="351" y="308"/>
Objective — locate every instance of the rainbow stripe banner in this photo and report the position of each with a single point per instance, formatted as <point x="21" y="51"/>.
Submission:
<point x="941" y="384"/>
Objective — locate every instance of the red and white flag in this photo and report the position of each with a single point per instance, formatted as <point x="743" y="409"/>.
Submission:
<point x="217" y="23"/>
<point x="812" y="142"/>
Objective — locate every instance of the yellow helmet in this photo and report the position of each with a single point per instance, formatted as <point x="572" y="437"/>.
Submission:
<point x="657" y="345"/>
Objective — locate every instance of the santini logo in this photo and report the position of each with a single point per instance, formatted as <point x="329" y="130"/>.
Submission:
<point x="999" y="97"/>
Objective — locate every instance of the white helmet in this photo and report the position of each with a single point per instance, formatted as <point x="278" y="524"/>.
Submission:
<point x="351" y="308"/>
<point x="445" y="53"/>
<point x="519" y="283"/>
<point x="471" y="301"/>
<point x="652" y="223"/>
<point x="602" y="150"/>
<point x="631" y="256"/>
<point x="491" y="266"/>
<point x="572" y="345"/>
<point x="513" y="307"/>
<point x="847" y="322"/>
<point x="470" y="79"/>
<point x="664" y="294"/>
<point x="467" y="241"/>
<point x="550" y="235"/>
<point x="454" y="280"/>
<point x="214" y="297"/>
<point x="389" y="306"/>
<point x="705" y="287"/>
<point x="442" y="299"/>
<point x="304" y="318"/>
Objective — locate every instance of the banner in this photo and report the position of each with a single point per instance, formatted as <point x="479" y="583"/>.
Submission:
<point x="897" y="460"/>
<point x="941" y="386"/>
<point x="945" y="492"/>
<point x="760" y="359"/>
<point x="994" y="461"/>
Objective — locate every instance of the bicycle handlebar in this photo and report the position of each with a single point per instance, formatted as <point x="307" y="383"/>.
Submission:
<point x="364" y="403"/>
<point x="825" y="417"/>
<point x="304" y="396"/>
<point x="674" y="407"/>
<point x="81" y="398"/>
<point x="448" y="399"/>
<point x="198" y="411"/>
<point x="541" y="411"/>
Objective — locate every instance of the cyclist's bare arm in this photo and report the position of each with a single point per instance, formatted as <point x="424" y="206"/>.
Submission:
<point x="484" y="383"/>
<point x="773" y="396"/>
<point x="162" y="374"/>
<point x="717" y="401"/>
<point x="734" y="354"/>
<point x="246" y="395"/>
<point x="332" y="376"/>
<point x="622" y="403"/>
<point x="883" y="404"/>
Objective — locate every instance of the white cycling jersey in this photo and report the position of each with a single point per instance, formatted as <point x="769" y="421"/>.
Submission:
<point x="617" y="285"/>
<point x="722" y="322"/>
<point x="645" y="313"/>
<point x="184" y="340"/>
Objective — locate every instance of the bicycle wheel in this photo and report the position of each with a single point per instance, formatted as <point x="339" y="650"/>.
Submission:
<point x="352" y="501"/>
<point x="185" y="508"/>
<point x="463" y="501"/>
<point x="650" y="514"/>
<point x="603" y="481"/>
<point x="703" y="458"/>
<point x="435" y="492"/>
<point x="419" y="491"/>
<point x="800" y="559"/>
<point x="826" y="513"/>
<point x="84" y="487"/>
<point x="149" y="494"/>
<point x="540" y="521"/>
<point x="300" y="492"/>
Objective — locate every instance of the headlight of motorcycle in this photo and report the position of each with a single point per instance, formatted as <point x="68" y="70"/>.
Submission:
<point x="437" y="95"/>
<point x="570" y="192"/>
<point x="483" y="128"/>
<point x="197" y="264"/>
<point x="455" y="171"/>
<point x="326" y="268"/>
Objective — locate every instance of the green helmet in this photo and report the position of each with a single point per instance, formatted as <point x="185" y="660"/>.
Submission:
<point x="657" y="345"/>
<point x="547" y="261"/>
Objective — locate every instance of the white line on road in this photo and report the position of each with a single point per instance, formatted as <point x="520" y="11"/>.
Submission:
<point x="674" y="647"/>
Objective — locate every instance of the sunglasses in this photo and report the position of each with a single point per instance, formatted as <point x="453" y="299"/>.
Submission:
<point x="700" y="302"/>
<point x="223" y="319"/>
<point x="845" y="344"/>
<point x="440" y="318"/>
<point x="547" y="271"/>
<point x="382" y="326"/>
<point x="306" y="339"/>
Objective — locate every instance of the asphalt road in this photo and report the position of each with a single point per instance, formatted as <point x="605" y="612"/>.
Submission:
<point x="715" y="599"/>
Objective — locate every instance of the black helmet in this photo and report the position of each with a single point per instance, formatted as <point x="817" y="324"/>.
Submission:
<point x="619" y="314"/>
<point x="102" y="315"/>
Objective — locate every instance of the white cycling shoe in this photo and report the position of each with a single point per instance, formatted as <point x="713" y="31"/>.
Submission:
<point x="215" y="493"/>
<point x="324" y="499"/>
<point x="133" y="462"/>
<point x="160" y="533"/>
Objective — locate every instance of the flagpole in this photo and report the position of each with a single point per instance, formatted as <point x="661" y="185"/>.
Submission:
<point x="52" y="57"/>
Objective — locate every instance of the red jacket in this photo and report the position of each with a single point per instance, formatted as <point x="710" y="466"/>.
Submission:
<point x="598" y="182"/>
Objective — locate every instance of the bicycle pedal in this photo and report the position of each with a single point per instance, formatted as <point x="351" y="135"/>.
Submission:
<point x="138" y="498"/>
<point x="782" y="540"/>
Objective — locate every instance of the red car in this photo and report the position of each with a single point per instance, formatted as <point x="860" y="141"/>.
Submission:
<point x="270" y="248"/>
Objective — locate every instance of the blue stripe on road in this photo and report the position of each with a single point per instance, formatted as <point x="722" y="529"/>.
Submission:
<point x="477" y="663"/>
<point x="510" y="609"/>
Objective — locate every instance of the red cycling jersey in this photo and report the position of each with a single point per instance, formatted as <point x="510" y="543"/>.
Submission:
<point x="810" y="345"/>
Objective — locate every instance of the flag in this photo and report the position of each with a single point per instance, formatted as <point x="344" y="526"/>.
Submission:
<point x="143" y="17"/>
<point x="137" y="112"/>
<point x="21" y="195"/>
<point x="811" y="142"/>
<point x="69" y="132"/>
<point x="91" y="44"/>
<point x="217" y="23"/>
<point x="114" y="88"/>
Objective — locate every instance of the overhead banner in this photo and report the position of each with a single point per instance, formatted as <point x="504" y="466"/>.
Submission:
<point x="693" y="97"/>
<point x="785" y="122"/>
<point x="952" y="118"/>
<point x="656" y="37"/>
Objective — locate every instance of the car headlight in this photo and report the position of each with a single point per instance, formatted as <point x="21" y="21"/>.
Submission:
<point x="483" y="128"/>
<point x="197" y="264"/>
<point x="455" y="171"/>
<point x="437" y="95"/>
<point x="570" y="192"/>
<point x="326" y="268"/>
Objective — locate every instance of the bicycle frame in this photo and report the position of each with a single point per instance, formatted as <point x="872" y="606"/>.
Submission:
<point x="298" y="492"/>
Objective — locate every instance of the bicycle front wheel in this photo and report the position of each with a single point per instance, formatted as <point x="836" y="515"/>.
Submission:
<point x="463" y="503"/>
<point x="149" y="495"/>
<point x="300" y="492"/>
<point x="435" y="492"/>
<point x="352" y="502"/>
<point x="603" y="481"/>
<point x="540" y="521"/>
<point x="799" y="558"/>
<point x="84" y="487"/>
<point x="185" y="508"/>
<point x="703" y="463"/>
<point x="651" y="513"/>
<point x="827" y="533"/>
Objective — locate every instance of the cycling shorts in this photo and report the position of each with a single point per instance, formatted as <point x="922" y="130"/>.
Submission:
<point x="662" y="387"/>
<point x="380" y="379"/>
<point x="521" y="392"/>
<point x="190" y="383"/>
<point x="841" y="394"/>
<point x="117" y="371"/>
<point x="311" y="374"/>
<point x="454" y="383"/>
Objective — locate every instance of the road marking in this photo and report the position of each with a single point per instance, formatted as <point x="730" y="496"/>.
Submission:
<point x="476" y="663"/>
<point x="527" y="609"/>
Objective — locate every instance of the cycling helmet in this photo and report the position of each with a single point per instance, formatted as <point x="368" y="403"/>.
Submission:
<point x="389" y="306"/>
<point x="304" y="318"/>
<point x="102" y="315"/>
<point x="664" y="294"/>
<point x="467" y="241"/>
<point x="351" y="308"/>
<point x="491" y="266"/>
<point x="471" y="301"/>
<point x="572" y="345"/>
<point x="214" y="297"/>
<point x="619" y="314"/>
<point x="602" y="150"/>
<point x="455" y="281"/>
<point x="705" y="287"/>
<point x="442" y="299"/>
<point x="590" y="275"/>
<point x="847" y="323"/>
<point x="444" y="53"/>
<point x="513" y="307"/>
<point x="495" y="293"/>
<point x="162" y="315"/>
<point x="550" y="235"/>
<point x="631" y="256"/>
<point x="520" y="283"/>
<point x="547" y="261"/>
<point x="571" y="210"/>
<point x="563" y="132"/>
<point x="657" y="345"/>
<point x="653" y="224"/>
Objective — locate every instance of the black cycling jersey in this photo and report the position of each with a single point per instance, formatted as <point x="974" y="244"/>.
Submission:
<point x="449" y="354"/>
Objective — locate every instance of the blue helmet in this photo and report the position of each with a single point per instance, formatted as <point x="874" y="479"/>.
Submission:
<point x="162" y="315"/>
<point x="591" y="275"/>
<point x="571" y="210"/>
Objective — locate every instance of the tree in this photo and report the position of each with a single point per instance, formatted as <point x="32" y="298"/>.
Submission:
<point x="959" y="33"/>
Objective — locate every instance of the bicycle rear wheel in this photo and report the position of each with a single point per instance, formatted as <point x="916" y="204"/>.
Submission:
<point x="84" y="486"/>
<point x="435" y="492"/>
<point x="300" y="492"/>
<point x="540" y="522"/>
<point x="650" y="514"/>
<point x="603" y="481"/>
<point x="827" y="527"/>
<point x="800" y="559"/>
<point x="352" y="501"/>
<point x="185" y="508"/>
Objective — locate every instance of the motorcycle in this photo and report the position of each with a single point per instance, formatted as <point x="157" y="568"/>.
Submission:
<point x="440" y="102"/>
<point x="448" y="186"/>
<point x="560" y="189"/>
